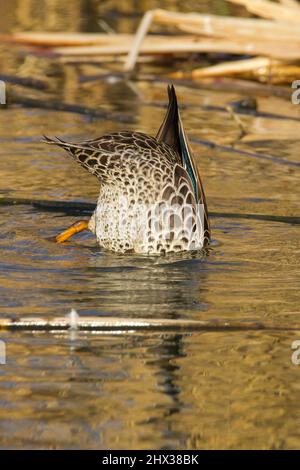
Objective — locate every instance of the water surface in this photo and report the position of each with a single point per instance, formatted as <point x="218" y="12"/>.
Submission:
<point x="131" y="390"/>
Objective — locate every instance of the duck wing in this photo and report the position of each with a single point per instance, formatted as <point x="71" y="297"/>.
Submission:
<point x="172" y="132"/>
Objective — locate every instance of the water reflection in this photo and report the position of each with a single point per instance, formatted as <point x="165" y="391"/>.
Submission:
<point x="94" y="282"/>
<point x="131" y="391"/>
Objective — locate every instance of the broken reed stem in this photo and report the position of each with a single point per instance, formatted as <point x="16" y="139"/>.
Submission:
<point x="272" y="35"/>
<point x="139" y="37"/>
<point x="210" y="33"/>
<point x="271" y="10"/>
<point x="65" y="39"/>
<point x="226" y="68"/>
<point x="99" y="324"/>
<point x="229" y="26"/>
<point x="266" y="39"/>
<point x="185" y="44"/>
<point x="264" y="69"/>
<point x="290" y="3"/>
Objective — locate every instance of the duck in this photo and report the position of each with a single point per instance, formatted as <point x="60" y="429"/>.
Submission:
<point x="151" y="198"/>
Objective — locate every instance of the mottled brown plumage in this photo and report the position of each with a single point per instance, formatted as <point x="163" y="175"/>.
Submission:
<point x="151" y="198"/>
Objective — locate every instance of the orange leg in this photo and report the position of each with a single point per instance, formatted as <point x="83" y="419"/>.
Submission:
<point x="69" y="232"/>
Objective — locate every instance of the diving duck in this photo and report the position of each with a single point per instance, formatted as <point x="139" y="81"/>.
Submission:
<point x="151" y="198"/>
